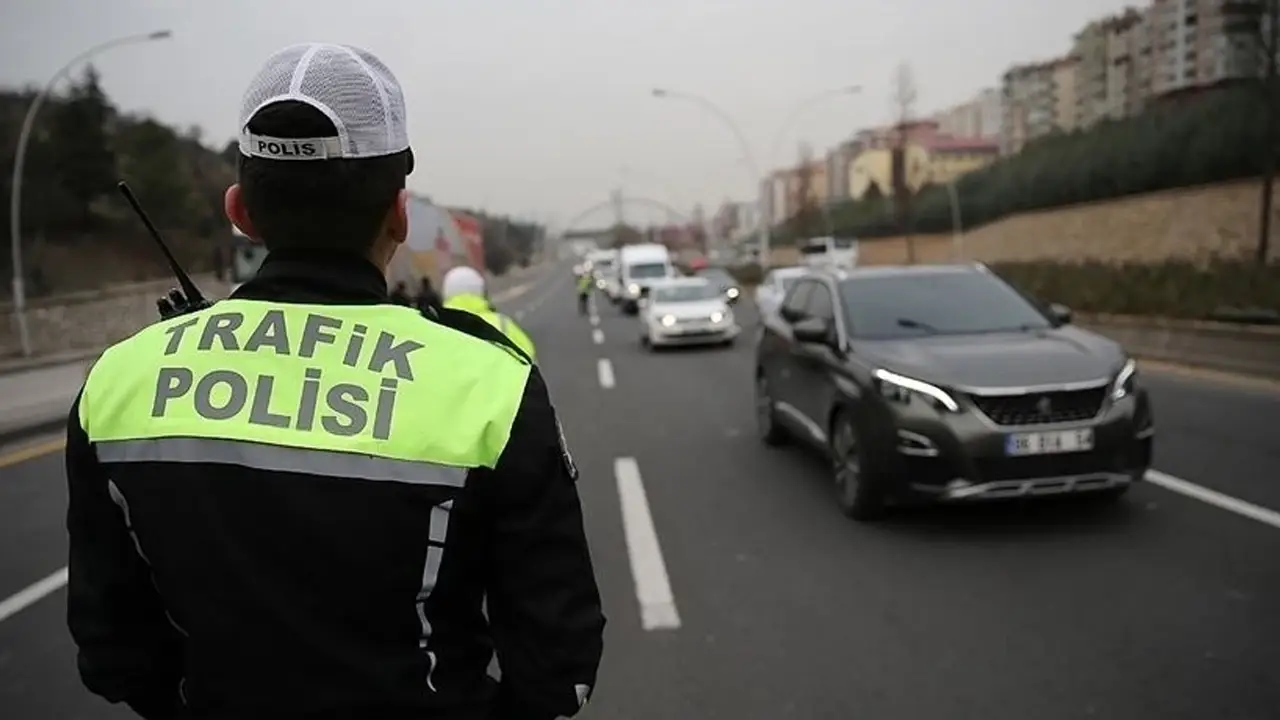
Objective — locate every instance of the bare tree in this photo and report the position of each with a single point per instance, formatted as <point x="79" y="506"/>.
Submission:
<point x="905" y="95"/>
<point x="1254" y="26"/>
<point x="1266" y="29"/>
<point x="804" y="219"/>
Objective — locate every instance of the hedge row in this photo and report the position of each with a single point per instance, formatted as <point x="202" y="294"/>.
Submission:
<point x="1224" y="290"/>
<point x="1227" y="290"/>
<point x="1209" y="138"/>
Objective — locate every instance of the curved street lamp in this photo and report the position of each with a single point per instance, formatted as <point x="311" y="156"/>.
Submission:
<point x="763" y="222"/>
<point x="19" y="163"/>
<point x="802" y="108"/>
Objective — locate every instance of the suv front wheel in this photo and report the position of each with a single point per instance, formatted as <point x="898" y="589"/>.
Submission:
<point x="857" y="492"/>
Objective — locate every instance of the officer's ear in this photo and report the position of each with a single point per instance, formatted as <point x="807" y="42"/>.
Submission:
<point x="396" y="225"/>
<point x="233" y="206"/>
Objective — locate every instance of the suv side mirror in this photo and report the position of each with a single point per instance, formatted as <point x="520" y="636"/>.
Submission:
<point x="1061" y="313"/>
<point x="813" y="330"/>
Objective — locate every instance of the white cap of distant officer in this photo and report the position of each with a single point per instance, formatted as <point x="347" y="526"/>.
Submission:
<point x="461" y="280"/>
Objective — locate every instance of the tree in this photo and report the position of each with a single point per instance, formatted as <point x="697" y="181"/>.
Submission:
<point x="806" y="220"/>
<point x="85" y="163"/>
<point x="905" y="95"/>
<point x="1258" y="22"/>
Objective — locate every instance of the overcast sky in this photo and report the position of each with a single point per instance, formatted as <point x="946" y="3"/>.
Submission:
<point x="539" y="107"/>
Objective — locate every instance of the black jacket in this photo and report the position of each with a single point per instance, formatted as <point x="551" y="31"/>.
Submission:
<point x="216" y="591"/>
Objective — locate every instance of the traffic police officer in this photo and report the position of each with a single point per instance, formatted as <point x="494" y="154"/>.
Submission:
<point x="295" y="503"/>
<point x="463" y="289"/>
<point x="584" y="292"/>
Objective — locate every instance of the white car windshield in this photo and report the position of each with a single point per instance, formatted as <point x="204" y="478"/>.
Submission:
<point x="647" y="271"/>
<point x="685" y="293"/>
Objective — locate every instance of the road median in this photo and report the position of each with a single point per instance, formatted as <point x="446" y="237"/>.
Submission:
<point x="1224" y="347"/>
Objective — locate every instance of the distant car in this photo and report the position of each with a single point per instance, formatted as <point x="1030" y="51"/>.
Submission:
<point x="686" y="311"/>
<point x="722" y="279"/>
<point x="774" y="286"/>
<point x="944" y="383"/>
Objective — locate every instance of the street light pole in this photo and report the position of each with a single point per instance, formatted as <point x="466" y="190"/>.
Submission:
<point x="745" y="148"/>
<point x="764" y="222"/>
<point x="799" y="112"/>
<point x="19" y="163"/>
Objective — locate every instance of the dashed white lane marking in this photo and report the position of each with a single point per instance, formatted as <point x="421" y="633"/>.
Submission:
<point x="653" y="587"/>
<point x="1215" y="498"/>
<point x="604" y="369"/>
<point x="597" y="336"/>
<point x="33" y="594"/>
<point x="595" y="319"/>
<point x="519" y="315"/>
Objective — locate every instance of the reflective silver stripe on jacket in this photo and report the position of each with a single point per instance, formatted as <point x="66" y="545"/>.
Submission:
<point x="502" y="324"/>
<point x="437" y="531"/>
<point x="278" y="458"/>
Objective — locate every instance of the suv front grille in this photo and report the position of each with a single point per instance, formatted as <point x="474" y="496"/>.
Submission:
<point x="1041" y="408"/>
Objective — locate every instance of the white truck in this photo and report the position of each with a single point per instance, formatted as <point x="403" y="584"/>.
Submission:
<point x="639" y="266"/>
<point x="835" y="252"/>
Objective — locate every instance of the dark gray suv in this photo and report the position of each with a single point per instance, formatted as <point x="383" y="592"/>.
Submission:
<point x="945" y="383"/>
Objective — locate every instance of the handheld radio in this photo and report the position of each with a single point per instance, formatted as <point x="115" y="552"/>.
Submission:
<point x="181" y="300"/>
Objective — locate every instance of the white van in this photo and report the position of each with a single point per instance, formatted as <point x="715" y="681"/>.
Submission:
<point x="830" y="252"/>
<point x="639" y="266"/>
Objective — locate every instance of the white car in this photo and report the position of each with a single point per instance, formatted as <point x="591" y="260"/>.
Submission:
<point x="774" y="286"/>
<point x="686" y="311"/>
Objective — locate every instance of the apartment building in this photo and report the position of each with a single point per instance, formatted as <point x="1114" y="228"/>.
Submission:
<point x="1037" y="99"/>
<point x="839" y="159"/>
<point x="978" y="118"/>
<point x="1113" y="70"/>
<point x="1196" y="43"/>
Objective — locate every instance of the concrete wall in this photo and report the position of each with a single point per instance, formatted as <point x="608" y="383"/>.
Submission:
<point x="91" y="319"/>
<point x="1192" y="224"/>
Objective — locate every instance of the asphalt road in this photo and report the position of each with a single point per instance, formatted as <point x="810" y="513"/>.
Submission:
<point x="764" y="602"/>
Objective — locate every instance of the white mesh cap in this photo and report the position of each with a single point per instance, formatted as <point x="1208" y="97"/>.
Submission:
<point x="350" y="86"/>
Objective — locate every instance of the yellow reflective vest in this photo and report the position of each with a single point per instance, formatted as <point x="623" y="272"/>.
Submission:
<point x="478" y="305"/>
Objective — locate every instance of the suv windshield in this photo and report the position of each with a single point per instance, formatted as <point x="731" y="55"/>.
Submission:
<point x="647" y="271"/>
<point x="685" y="293"/>
<point x="949" y="303"/>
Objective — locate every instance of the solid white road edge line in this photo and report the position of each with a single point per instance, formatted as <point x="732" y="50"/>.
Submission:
<point x="653" y="587"/>
<point x="1215" y="498"/>
<point x="597" y="336"/>
<point x="604" y="369"/>
<point x="33" y="594"/>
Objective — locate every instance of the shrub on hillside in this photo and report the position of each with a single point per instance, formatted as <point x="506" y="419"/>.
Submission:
<point x="1176" y="288"/>
<point x="1199" y="140"/>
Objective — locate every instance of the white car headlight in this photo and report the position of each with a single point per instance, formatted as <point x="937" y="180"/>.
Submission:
<point x="721" y="316"/>
<point x="634" y="289"/>
<point x="901" y="389"/>
<point x="668" y="320"/>
<point x="1126" y="381"/>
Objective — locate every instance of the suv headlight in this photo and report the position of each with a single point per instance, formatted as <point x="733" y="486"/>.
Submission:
<point x="901" y="389"/>
<point x="668" y="320"/>
<point x="1126" y="381"/>
<point x="634" y="289"/>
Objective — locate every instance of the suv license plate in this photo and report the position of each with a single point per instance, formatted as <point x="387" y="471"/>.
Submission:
<point x="1047" y="443"/>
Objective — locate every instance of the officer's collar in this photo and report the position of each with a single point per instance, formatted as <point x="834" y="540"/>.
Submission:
<point x="314" y="275"/>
